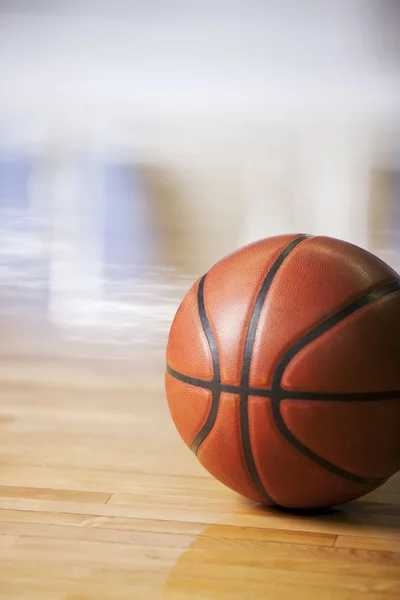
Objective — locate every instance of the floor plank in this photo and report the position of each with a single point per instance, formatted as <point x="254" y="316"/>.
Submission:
<point x="100" y="498"/>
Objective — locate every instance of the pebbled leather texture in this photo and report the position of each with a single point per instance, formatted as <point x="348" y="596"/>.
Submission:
<point x="188" y="350"/>
<point x="325" y="426"/>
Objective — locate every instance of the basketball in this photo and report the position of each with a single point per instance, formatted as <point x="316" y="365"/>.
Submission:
<point x="283" y="371"/>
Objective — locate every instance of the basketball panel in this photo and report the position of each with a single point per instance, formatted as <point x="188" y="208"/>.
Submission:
<point x="188" y="350"/>
<point x="360" y="437"/>
<point x="189" y="406"/>
<point x="230" y="292"/>
<point x="318" y="277"/>
<point x="221" y="453"/>
<point x="290" y="478"/>
<point x="360" y="354"/>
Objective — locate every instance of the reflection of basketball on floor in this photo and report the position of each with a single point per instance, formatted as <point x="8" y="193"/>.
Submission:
<point x="283" y="371"/>
<point x="265" y="554"/>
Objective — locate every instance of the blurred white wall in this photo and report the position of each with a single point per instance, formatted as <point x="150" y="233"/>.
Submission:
<point x="270" y="116"/>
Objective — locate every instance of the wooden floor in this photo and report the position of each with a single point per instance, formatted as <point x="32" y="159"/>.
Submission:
<point x="101" y="500"/>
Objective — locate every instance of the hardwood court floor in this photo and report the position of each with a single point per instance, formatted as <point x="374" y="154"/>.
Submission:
<point x="100" y="499"/>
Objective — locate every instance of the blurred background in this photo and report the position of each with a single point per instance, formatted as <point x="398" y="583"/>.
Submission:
<point x="141" y="141"/>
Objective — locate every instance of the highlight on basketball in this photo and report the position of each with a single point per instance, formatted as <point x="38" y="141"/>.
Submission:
<point x="199" y="300"/>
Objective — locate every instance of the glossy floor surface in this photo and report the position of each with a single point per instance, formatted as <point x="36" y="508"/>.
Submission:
<point x="99" y="497"/>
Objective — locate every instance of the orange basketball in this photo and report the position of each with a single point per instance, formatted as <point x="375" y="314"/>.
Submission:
<point x="283" y="371"/>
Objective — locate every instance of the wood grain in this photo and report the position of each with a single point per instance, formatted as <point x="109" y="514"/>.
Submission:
<point x="100" y="499"/>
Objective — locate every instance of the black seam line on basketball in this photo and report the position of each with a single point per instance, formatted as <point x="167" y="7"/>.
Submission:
<point x="216" y="391"/>
<point x="337" y="397"/>
<point x="245" y="376"/>
<point x="286" y="394"/>
<point x="209" y="385"/>
<point x="312" y="335"/>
